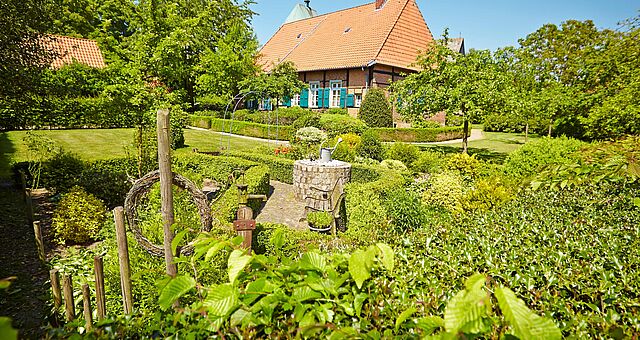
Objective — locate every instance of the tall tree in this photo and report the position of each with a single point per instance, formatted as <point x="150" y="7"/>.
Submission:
<point x="450" y="82"/>
<point x="282" y="82"/>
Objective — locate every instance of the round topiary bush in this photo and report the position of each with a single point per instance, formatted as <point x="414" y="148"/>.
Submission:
<point x="375" y="109"/>
<point x="78" y="217"/>
<point x="406" y="153"/>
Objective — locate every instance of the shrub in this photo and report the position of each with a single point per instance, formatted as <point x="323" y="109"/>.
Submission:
<point x="280" y="240"/>
<point x="281" y="132"/>
<point x="418" y="135"/>
<point x="280" y="169"/>
<point x="371" y="146"/>
<point x="428" y="162"/>
<point x="375" y="109"/>
<point x="346" y="150"/>
<point x="319" y="219"/>
<point x="406" y="153"/>
<point x="393" y="164"/>
<point x="310" y="135"/>
<point x="62" y="172"/>
<point x="336" y="111"/>
<point x="310" y="119"/>
<point x="425" y="124"/>
<point x="78" y="217"/>
<point x="405" y="210"/>
<point x="487" y="194"/>
<point x="467" y="166"/>
<point x="444" y="190"/>
<point x="341" y="124"/>
<point x="535" y="155"/>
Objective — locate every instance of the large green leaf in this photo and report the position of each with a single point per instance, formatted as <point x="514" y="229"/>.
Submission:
<point x="387" y="256"/>
<point x="313" y="261"/>
<point x="222" y="299"/>
<point x="304" y="293"/>
<point x="404" y="316"/>
<point x="467" y="311"/>
<point x="360" y="264"/>
<point x="429" y="324"/>
<point x="176" y="288"/>
<point x="237" y="262"/>
<point x="525" y="324"/>
<point x="6" y="331"/>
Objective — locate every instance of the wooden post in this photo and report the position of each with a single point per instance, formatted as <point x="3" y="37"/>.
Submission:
<point x="86" y="307"/>
<point x="27" y="198"/>
<point x="39" y="241"/>
<point x="67" y="286"/>
<point x="123" y="259"/>
<point x="55" y="289"/>
<point x="166" y="190"/>
<point x="98" y="268"/>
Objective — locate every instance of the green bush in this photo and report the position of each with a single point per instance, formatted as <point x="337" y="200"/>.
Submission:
<point x="280" y="240"/>
<point x="346" y="150"/>
<point x="257" y="180"/>
<point x="280" y="169"/>
<point x="319" y="219"/>
<point x="337" y="124"/>
<point x="487" y="194"/>
<point x="428" y="162"/>
<point x="78" y="217"/>
<point x="535" y="155"/>
<point x="109" y="179"/>
<point x="197" y="167"/>
<point x="418" y="135"/>
<point x="425" y="124"/>
<point x="362" y="173"/>
<point x="405" y="210"/>
<point x="444" y="190"/>
<point x="335" y="111"/>
<point x="393" y="164"/>
<point x="406" y="153"/>
<point x="375" y="109"/>
<point x="282" y="132"/>
<point x="467" y="166"/>
<point x="371" y="146"/>
<point x="309" y="119"/>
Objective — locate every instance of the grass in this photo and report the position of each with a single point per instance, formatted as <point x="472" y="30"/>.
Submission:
<point x="494" y="147"/>
<point x="109" y="143"/>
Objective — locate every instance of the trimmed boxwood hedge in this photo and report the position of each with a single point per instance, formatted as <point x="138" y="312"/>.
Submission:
<point x="284" y="132"/>
<point x="409" y="135"/>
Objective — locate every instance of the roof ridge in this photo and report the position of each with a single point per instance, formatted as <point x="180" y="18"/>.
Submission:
<point x="326" y="14"/>
<point x="391" y="30"/>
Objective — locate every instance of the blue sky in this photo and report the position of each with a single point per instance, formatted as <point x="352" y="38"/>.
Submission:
<point x="484" y="24"/>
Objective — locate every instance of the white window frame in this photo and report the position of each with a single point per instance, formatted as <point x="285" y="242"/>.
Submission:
<point x="295" y="101"/>
<point x="314" y="96"/>
<point x="357" y="99"/>
<point x="336" y="89"/>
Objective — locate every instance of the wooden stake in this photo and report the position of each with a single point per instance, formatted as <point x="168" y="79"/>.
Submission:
<point x="123" y="259"/>
<point x="86" y="307"/>
<point x="55" y="289"/>
<point x="98" y="268"/>
<point x="27" y="198"/>
<point x="166" y="190"/>
<point x="67" y="286"/>
<point x="39" y="241"/>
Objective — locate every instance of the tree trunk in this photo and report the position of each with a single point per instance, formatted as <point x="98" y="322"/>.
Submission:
<point x="550" y="126"/>
<point x="526" y="133"/>
<point x="465" y="136"/>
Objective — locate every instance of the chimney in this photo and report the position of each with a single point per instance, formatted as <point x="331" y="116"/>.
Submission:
<point x="307" y="2"/>
<point x="380" y="3"/>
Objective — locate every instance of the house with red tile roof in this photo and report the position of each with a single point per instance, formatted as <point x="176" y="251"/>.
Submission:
<point x="342" y="54"/>
<point x="69" y="50"/>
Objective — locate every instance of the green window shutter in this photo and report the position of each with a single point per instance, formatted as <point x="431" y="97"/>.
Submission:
<point x="327" y="93"/>
<point x="351" y="102"/>
<point x="343" y="97"/>
<point x="304" y="98"/>
<point x="286" y="102"/>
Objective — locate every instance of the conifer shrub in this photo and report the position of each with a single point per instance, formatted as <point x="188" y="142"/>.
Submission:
<point x="375" y="109"/>
<point x="370" y="146"/>
<point x="78" y="217"/>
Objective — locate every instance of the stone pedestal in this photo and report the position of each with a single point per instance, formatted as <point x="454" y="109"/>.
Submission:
<point x="307" y="174"/>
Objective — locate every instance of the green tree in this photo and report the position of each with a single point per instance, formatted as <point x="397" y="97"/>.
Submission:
<point x="451" y="82"/>
<point x="281" y="82"/>
<point x="375" y="109"/>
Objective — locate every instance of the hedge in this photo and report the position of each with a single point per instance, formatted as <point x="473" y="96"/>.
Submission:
<point x="284" y="132"/>
<point x="257" y="179"/>
<point x="281" y="169"/>
<point x="410" y="135"/>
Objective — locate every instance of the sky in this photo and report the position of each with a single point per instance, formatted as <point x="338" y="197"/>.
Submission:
<point x="489" y="24"/>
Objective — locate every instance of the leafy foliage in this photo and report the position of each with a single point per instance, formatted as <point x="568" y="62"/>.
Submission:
<point x="78" y="217"/>
<point x="406" y="153"/>
<point x="371" y="146"/>
<point x="533" y="156"/>
<point x="319" y="218"/>
<point x="375" y="110"/>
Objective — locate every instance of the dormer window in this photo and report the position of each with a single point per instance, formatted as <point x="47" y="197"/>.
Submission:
<point x="299" y="36"/>
<point x="347" y="30"/>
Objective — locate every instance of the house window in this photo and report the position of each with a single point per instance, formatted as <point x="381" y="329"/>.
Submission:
<point x="336" y="87"/>
<point x="295" y="101"/>
<point x="357" y="99"/>
<point x="314" y="88"/>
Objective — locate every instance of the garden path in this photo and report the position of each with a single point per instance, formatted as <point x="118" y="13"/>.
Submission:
<point x="282" y="207"/>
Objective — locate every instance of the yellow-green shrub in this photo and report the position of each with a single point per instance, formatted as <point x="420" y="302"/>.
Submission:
<point x="444" y="190"/>
<point x="78" y="217"/>
<point x="467" y="166"/>
<point x="487" y="194"/>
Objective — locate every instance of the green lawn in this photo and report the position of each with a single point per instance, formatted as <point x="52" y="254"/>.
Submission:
<point x="495" y="147"/>
<point x="108" y="143"/>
